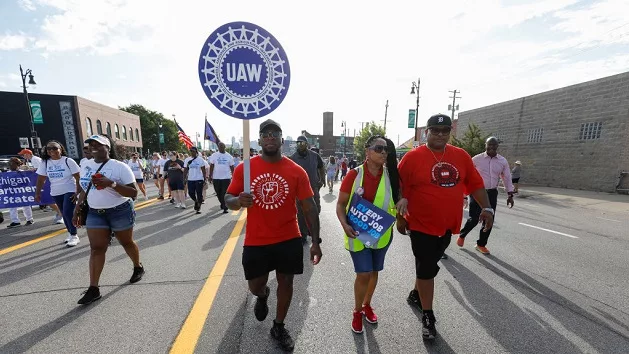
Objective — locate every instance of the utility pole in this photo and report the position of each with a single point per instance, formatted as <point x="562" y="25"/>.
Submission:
<point x="386" y="109"/>
<point x="454" y="106"/>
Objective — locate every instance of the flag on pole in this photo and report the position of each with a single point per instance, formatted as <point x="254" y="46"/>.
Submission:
<point x="210" y="134"/>
<point x="183" y="137"/>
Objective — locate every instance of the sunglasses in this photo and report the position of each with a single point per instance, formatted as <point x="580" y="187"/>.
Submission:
<point x="442" y="131"/>
<point x="379" y="149"/>
<point x="52" y="148"/>
<point x="301" y="143"/>
<point x="271" y="134"/>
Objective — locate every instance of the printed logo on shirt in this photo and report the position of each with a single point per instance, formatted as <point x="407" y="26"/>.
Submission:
<point x="86" y="178"/>
<point x="55" y="171"/>
<point x="444" y="174"/>
<point x="270" y="190"/>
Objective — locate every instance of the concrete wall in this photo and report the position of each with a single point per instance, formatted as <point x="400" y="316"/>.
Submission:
<point x="562" y="159"/>
<point x="105" y="114"/>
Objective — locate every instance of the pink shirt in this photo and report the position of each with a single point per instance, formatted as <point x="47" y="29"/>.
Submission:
<point x="492" y="169"/>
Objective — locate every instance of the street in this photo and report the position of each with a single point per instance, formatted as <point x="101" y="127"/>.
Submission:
<point x="556" y="281"/>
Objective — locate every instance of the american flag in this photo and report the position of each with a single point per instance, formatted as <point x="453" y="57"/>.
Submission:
<point x="183" y="137"/>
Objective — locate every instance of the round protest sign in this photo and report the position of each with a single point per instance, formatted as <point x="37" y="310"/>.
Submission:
<point x="244" y="70"/>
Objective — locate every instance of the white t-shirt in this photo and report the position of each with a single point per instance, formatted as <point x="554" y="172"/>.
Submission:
<point x="83" y="160"/>
<point x="136" y="168"/>
<point x="116" y="171"/>
<point x="194" y="168"/>
<point x="222" y="162"/>
<point x="59" y="173"/>
<point x="161" y="163"/>
<point x="35" y="161"/>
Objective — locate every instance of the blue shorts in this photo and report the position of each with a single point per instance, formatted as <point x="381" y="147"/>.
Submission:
<point x="139" y="180"/>
<point x="118" y="218"/>
<point x="369" y="259"/>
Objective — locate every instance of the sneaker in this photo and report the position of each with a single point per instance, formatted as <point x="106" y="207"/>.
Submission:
<point x="261" y="308"/>
<point x="138" y="272"/>
<point x="67" y="238"/>
<point x="73" y="241"/>
<point x="225" y="211"/>
<point x="161" y="197"/>
<point x="370" y="316"/>
<point x="90" y="295"/>
<point x="413" y="299"/>
<point x="444" y="256"/>
<point x="13" y="224"/>
<point x="482" y="249"/>
<point x="182" y="206"/>
<point x="197" y="206"/>
<point x="357" y="322"/>
<point x="283" y="338"/>
<point x="429" y="332"/>
<point x="172" y="201"/>
<point x="460" y="241"/>
<point x="30" y="222"/>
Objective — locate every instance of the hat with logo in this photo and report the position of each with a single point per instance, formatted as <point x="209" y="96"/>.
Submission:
<point x="99" y="139"/>
<point x="439" y="120"/>
<point x="302" y="138"/>
<point x="25" y="152"/>
<point x="270" y="123"/>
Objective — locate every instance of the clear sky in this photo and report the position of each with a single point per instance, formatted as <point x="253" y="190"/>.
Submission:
<point x="348" y="57"/>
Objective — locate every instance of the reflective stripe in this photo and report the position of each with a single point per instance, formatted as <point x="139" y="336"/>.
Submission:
<point x="350" y="243"/>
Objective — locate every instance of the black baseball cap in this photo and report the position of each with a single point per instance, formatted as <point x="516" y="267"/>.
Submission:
<point x="270" y="123"/>
<point x="302" y="138"/>
<point x="439" y="120"/>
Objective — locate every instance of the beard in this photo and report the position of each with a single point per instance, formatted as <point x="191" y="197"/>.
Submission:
<point x="271" y="152"/>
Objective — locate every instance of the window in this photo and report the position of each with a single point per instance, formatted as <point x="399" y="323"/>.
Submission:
<point x="131" y="133"/>
<point x="124" y="132"/>
<point x="108" y="129"/>
<point x="535" y="135"/>
<point x="137" y="134"/>
<point x="117" y="131"/>
<point x="88" y="126"/>
<point x="590" y="131"/>
<point x="99" y="127"/>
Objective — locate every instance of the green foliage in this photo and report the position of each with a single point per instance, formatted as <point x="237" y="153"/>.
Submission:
<point x="360" y="139"/>
<point x="473" y="141"/>
<point x="149" y="121"/>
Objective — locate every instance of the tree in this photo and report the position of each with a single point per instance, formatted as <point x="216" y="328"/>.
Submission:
<point x="360" y="140"/>
<point x="473" y="141"/>
<point x="149" y="121"/>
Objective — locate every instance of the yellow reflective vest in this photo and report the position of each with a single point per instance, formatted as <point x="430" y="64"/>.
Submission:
<point x="383" y="200"/>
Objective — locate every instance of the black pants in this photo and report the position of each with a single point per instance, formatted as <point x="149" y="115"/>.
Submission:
<point x="301" y="218"/>
<point x="475" y="211"/>
<point x="195" y="191"/>
<point x="220" y="187"/>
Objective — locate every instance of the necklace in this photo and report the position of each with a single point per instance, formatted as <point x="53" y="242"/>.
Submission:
<point x="433" y="155"/>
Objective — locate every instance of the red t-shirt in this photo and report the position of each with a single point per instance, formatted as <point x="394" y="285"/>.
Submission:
<point x="370" y="183"/>
<point x="435" y="193"/>
<point x="275" y="188"/>
<point x="343" y="165"/>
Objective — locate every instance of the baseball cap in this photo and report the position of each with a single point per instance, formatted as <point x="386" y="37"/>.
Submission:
<point x="302" y="138"/>
<point x="439" y="120"/>
<point x="270" y="123"/>
<point x="25" y="152"/>
<point x="99" y="139"/>
<point x="518" y="162"/>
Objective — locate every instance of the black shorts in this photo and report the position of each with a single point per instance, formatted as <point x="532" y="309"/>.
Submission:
<point x="515" y="180"/>
<point x="428" y="250"/>
<point x="176" y="185"/>
<point x="286" y="257"/>
<point x="156" y="176"/>
<point x="139" y="180"/>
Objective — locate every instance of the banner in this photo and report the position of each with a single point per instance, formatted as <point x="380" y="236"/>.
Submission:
<point x="38" y="117"/>
<point x="370" y="221"/>
<point x="17" y="189"/>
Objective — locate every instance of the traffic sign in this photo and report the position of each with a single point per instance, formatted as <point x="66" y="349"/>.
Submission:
<point x="24" y="143"/>
<point x="411" y="118"/>
<point x="161" y="138"/>
<point x="38" y="117"/>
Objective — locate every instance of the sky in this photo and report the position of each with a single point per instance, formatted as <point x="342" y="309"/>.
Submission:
<point x="348" y="57"/>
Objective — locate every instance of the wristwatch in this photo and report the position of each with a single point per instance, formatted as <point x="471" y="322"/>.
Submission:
<point x="491" y="210"/>
<point x="113" y="185"/>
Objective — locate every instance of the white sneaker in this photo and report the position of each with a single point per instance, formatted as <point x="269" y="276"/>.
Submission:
<point x="183" y="206"/>
<point x="74" y="240"/>
<point x="58" y="220"/>
<point x="67" y="238"/>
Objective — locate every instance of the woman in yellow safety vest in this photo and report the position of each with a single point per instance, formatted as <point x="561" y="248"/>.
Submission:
<point x="380" y="186"/>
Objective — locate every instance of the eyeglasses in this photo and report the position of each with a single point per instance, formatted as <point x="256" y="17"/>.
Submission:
<point x="271" y="134"/>
<point x="379" y="149"/>
<point x="302" y="143"/>
<point x="52" y="148"/>
<point x="440" y="131"/>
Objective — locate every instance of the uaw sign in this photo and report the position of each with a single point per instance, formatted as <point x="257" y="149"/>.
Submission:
<point x="244" y="70"/>
<point x="370" y="221"/>
<point x="17" y="189"/>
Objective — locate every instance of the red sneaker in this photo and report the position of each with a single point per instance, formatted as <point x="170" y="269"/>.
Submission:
<point x="357" y="322"/>
<point x="370" y="316"/>
<point x="482" y="249"/>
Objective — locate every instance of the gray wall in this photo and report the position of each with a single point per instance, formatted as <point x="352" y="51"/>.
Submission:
<point x="561" y="159"/>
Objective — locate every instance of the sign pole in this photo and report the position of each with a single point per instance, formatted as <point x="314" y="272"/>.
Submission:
<point x="245" y="155"/>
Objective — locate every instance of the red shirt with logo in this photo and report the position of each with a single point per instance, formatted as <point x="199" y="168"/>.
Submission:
<point x="370" y="183"/>
<point x="434" y="186"/>
<point x="275" y="188"/>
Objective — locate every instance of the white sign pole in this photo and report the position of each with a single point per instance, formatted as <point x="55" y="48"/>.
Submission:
<point x="245" y="155"/>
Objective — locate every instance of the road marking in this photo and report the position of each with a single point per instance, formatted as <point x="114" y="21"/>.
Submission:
<point x="59" y="232"/>
<point x="190" y="332"/>
<point x="543" y="229"/>
<point x="598" y="217"/>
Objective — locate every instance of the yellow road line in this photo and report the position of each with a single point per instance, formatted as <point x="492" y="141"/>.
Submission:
<point x="188" y="337"/>
<point x="59" y="232"/>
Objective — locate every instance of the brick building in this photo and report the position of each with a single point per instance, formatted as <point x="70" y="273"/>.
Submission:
<point x="328" y="143"/>
<point x="573" y="137"/>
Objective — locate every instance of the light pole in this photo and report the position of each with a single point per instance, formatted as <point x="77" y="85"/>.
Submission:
<point x="415" y="85"/>
<point x="343" y="136"/>
<point x="31" y="81"/>
<point x="159" y="135"/>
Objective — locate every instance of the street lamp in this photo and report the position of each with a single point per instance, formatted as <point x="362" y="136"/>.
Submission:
<point x="159" y="135"/>
<point x="343" y="135"/>
<point x="415" y="85"/>
<point x="31" y="81"/>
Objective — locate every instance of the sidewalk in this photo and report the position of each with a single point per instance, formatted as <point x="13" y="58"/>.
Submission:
<point x="609" y="202"/>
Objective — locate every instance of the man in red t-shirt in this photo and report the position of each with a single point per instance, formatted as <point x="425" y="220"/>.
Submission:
<point x="272" y="238"/>
<point x="434" y="177"/>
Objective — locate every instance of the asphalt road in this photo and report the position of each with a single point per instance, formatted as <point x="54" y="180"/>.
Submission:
<point x="556" y="281"/>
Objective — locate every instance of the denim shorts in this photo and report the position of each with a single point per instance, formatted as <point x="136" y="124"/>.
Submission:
<point x="118" y="218"/>
<point x="369" y="259"/>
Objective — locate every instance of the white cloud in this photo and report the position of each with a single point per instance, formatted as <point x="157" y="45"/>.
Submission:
<point x="27" y="5"/>
<point x="13" y="41"/>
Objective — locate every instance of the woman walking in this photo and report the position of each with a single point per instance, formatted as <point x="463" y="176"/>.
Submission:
<point x="137" y="167"/>
<point x="331" y="170"/>
<point x="376" y="181"/>
<point x="516" y="173"/>
<point x="109" y="194"/>
<point x="63" y="174"/>
<point x="174" y="169"/>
